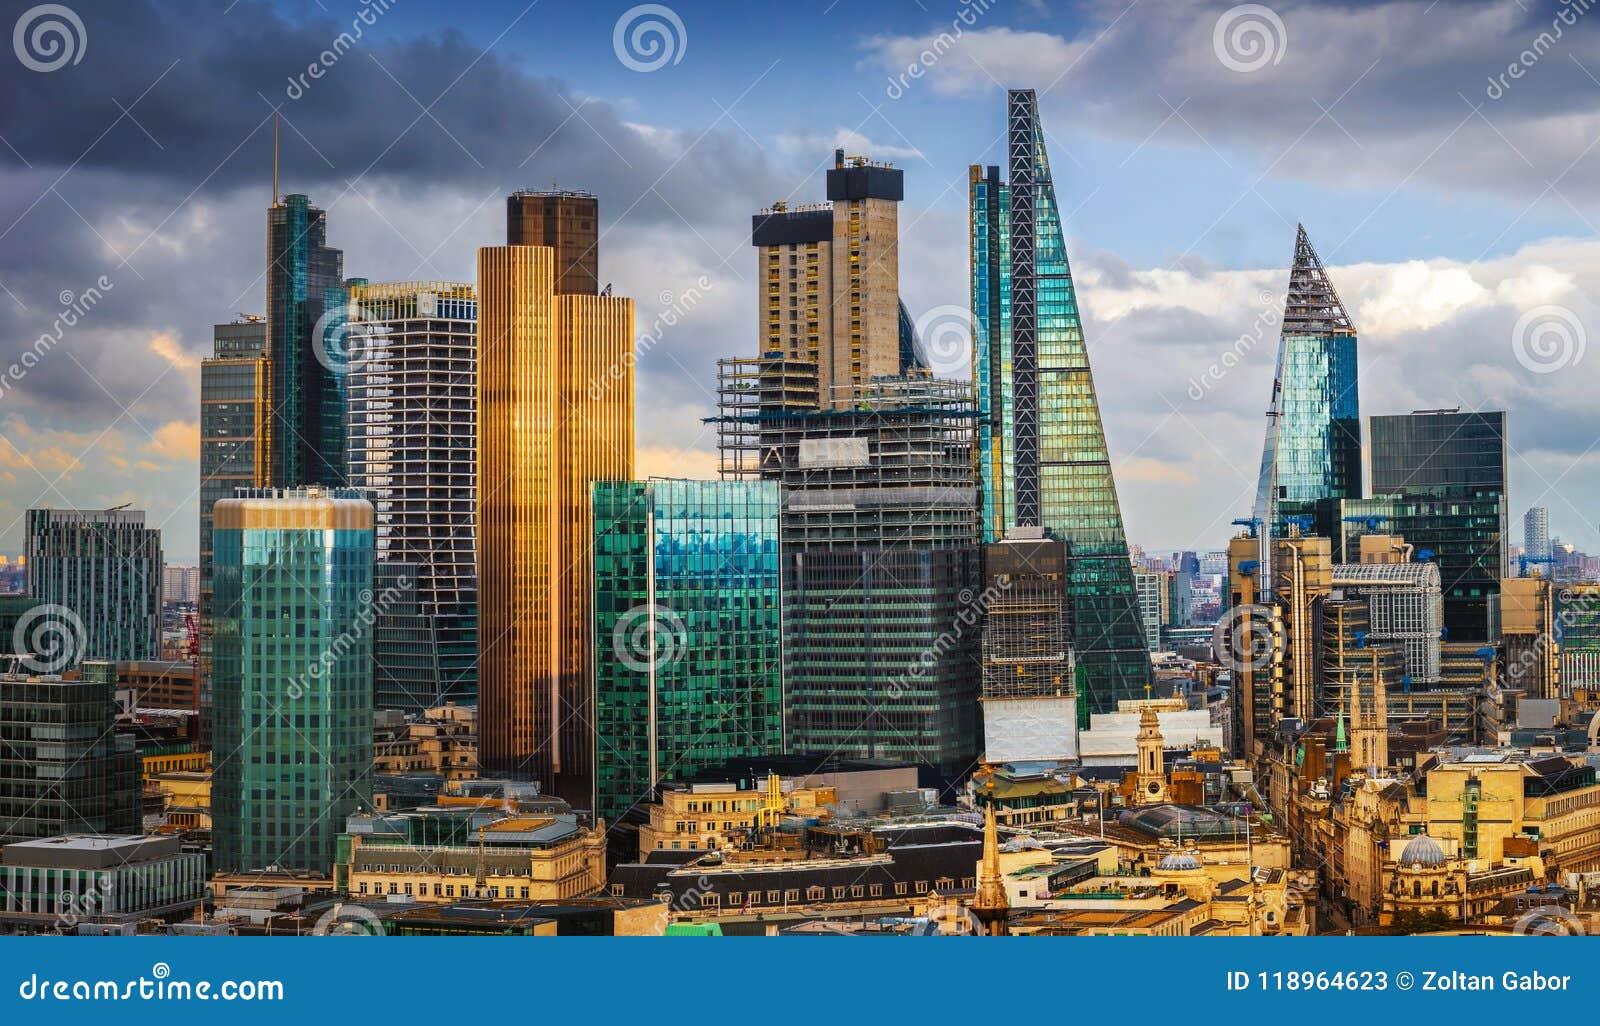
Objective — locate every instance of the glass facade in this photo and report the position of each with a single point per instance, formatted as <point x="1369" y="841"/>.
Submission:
<point x="292" y="675"/>
<point x="1439" y="481"/>
<point x="687" y="632"/>
<point x="305" y="299"/>
<point x="1044" y="460"/>
<point x="103" y="565"/>
<point x="63" y="767"/>
<point x="1313" y="442"/>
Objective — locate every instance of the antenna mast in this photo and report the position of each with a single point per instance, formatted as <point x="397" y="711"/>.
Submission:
<point x="274" y="158"/>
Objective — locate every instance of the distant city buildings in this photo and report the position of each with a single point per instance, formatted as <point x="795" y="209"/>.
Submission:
<point x="292" y="666"/>
<point x="1536" y="533"/>
<point x="180" y="584"/>
<point x="95" y="579"/>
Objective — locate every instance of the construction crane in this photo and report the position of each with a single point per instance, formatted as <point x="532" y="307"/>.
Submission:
<point x="1303" y="521"/>
<point x="1524" y="559"/>
<point x="1370" y="522"/>
<point x="1251" y="524"/>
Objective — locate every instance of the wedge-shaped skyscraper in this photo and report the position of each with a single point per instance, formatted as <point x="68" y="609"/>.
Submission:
<point x="1043" y="458"/>
<point x="1313" y="444"/>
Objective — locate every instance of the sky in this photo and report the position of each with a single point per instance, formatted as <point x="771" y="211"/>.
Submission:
<point x="1444" y="157"/>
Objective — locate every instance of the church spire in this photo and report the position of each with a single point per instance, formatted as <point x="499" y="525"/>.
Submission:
<point x="990" y="904"/>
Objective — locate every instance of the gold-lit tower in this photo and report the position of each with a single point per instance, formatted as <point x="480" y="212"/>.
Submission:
<point x="555" y="414"/>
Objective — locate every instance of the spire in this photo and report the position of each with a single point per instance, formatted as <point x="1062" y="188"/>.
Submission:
<point x="990" y="904"/>
<point x="274" y="158"/>
<point x="1340" y="741"/>
<point x="1312" y="307"/>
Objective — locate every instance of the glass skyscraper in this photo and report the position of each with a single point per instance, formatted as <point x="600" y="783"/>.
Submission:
<point x="306" y="296"/>
<point x="1313" y="442"/>
<point x="687" y="633"/>
<point x="292" y="674"/>
<point x="104" y="565"/>
<point x="1043" y="458"/>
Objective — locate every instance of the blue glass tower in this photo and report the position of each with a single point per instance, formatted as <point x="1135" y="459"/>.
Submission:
<point x="687" y="635"/>
<point x="292" y="674"/>
<point x="1043" y="458"/>
<point x="1313" y="442"/>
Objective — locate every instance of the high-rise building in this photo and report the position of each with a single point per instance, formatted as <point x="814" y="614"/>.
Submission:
<point x="829" y="281"/>
<point x="567" y="222"/>
<point x="1536" y="533"/>
<point x="412" y="448"/>
<point x="1313" y="442"/>
<point x="688" y="638"/>
<point x="235" y="449"/>
<point x="64" y="769"/>
<point x="1044" y="461"/>
<point x="1439" y="481"/>
<point x="306" y="299"/>
<point x="291" y="674"/>
<point x="1029" y="696"/>
<point x="555" y="414"/>
<point x="880" y="557"/>
<point x="104" y="567"/>
<point x="180" y="584"/>
<point x="1579" y="621"/>
<point x="1154" y="599"/>
<point x="1532" y="637"/>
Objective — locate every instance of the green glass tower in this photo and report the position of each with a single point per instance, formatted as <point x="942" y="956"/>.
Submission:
<point x="1042" y="445"/>
<point x="1313" y="442"/>
<point x="292" y="674"/>
<point x="687" y="635"/>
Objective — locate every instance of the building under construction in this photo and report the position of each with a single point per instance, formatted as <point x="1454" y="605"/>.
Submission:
<point x="878" y="537"/>
<point x="1029" y="698"/>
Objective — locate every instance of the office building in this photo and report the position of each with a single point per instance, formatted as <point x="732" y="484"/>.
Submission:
<point x="102" y="567"/>
<point x="1029" y="696"/>
<point x="64" y="769"/>
<point x="99" y="880"/>
<point x="1578" y="616"/>
<point x="1312" y="451"/>
<point x="180" y="585"/>
<point x="567" y="222"/>
<point x="412" y="432"/>
<point x="1536" y="533"/>
<point x="555" y="414"/>
<point x="1154" y="590"/>
<point x="235" y="449"/>
<point x="1531" y="639"/>
<point x="1439" y="481"/>
<point x="292" y="675"/>
<point x="687" y="634"/>
<point x="829" y="281"/>
<point x="880" y="557"/>
<point x="1043" y="457"/>
<point x="306" y="357"/>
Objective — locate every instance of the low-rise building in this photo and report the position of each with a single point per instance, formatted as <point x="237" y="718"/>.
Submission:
<point x="444" y="740"/>
<point x="706" y="817"/>
<point x="60" y="883"/>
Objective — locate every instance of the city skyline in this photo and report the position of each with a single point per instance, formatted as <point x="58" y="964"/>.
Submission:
<point x="1165" y="295"/>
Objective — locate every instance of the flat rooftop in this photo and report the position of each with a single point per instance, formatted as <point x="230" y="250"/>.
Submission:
<point x="91" y="851"/>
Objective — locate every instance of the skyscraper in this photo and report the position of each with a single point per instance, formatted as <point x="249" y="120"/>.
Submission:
<point x="567" y="222"/>
<point x="235" y="450"/>
<point x="104" y="566"/>
<point x="292" y="674"/>
<point x="1044" y="461"/>
<point x="829" y="280"/>
<point x="1536" y="533"/>
<point x="1439" y="481"/>
<point x="412" y="445"/>
<point x="1313" y="442"/>
<point x="306" y="296"/>
<point x="555" y="414"/>
<point x="688" y="639"/>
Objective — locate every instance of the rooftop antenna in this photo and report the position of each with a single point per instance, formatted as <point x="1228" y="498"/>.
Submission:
<point x="274" y="158"/>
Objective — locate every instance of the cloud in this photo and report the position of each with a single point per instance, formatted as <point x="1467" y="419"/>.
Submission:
<point x="177" y="441"/>
<point x="659" y="461"/>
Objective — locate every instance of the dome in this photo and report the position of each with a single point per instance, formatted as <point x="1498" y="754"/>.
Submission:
<point x="1177" y="862"/>
<point x="1423" y="851"/>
